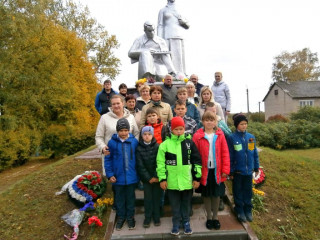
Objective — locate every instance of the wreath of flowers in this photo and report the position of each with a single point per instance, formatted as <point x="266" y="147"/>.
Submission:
<point x="259" y="178"/>
<point x="87" y="187"/>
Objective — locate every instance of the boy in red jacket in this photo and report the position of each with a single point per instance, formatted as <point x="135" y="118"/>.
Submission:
<point x="213" y="149"/>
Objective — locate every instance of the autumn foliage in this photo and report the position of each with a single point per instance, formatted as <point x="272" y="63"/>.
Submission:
<point x="47" y="87"/>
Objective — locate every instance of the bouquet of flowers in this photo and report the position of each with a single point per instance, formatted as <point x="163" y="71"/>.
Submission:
<point x="86" y="187"/>
<point x="259" y="178"/>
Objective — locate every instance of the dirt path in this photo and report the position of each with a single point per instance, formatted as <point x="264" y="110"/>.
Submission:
<point x="11" y="176"/>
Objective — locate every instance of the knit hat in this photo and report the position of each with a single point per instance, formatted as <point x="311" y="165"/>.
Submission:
<point x="122" y="123"/>
<point x="147" y="129"/>
<point x="237" y="118"/>
<point x="176" y="122"/>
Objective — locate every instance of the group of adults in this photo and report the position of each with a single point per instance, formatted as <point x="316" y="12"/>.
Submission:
<point x="113" y="105"/>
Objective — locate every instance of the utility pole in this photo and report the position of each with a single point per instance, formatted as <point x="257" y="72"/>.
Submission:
<point x="259" y="111"/>
<point x="248" y="100"/>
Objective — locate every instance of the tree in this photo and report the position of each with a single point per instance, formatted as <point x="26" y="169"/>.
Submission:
<point x="296" y="66"/>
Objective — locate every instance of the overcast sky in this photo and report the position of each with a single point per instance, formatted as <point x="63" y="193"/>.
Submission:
<point x="238" y="38"/>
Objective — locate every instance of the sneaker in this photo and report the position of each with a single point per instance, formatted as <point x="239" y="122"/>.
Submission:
<point x="146" y="222"/>
<point x="249" y="217"/>
<point x="241" y="218"/>
<point x="120" y="223"/>
<point x="209" y="224"/>
<point x="157" y="222"/>
<point x="216" y="224"/>
<point x="187" y="228"/>
<point x="175" y="230"/>
<point x="131" y="223"/>
<point x="221" y="205"/>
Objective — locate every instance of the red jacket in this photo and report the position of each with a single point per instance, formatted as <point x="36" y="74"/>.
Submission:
<point x="157" y="128"/>
<point x="222" y="155"/>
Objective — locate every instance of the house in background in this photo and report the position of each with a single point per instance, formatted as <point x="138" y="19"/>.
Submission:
<point x="287" y="97"/>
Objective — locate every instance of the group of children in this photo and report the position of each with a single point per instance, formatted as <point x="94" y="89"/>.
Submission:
<point x="178" y="158"/>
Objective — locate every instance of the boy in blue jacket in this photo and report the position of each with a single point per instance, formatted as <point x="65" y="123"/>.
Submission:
<point x="243" y="161"/>
<point x="120" y="167"/>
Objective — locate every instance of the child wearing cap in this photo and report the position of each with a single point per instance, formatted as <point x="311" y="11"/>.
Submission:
<point x="146" y="155"/>
<point x="179" y="171"/>
<point x="244" y="160"/>
<point x="120" y="168"/>
<point x="153" y="119"/>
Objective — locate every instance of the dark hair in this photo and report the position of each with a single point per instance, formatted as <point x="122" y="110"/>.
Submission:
<point x="209" y="116"/>
<point x="129" y="97"/>
<point x="209" y="104"/>
<point x="122" y="85"/>
<point x="107" y="81"/>
<point x="152" y="110"/>
<point x="179" y="102"/>
<point x="156" y="88"/>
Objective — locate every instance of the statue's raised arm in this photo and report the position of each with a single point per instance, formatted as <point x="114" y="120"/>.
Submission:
<point x="170" y="27"/>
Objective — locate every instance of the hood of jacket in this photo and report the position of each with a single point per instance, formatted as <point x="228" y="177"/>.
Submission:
<point x="126" y="113"/>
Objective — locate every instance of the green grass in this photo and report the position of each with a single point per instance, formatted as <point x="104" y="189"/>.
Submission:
<point x="30" y="210"/>
<point x="292" y="195"/>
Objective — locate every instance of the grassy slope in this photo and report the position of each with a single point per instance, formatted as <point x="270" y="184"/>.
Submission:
<point x="293" y="195"/>
<point x="30" y="210"/>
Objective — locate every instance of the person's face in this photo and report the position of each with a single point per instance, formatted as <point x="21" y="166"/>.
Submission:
<point x="123" y="91"/>
<point x="218" y="77"/>
<point x="168" y="80"/>
<point x="152" y="118"/>
<point x="156" y="96"/>
<point x="191" y="90"/>
<point x="242" y="127"/>
<point x="206" y="96"/>
<point x="117" y="105"/>
<point x="212" y="109"/>
<point x="209" y="124"/>
<point x="131" y="103"/>
<point x="178" y="131"/>
<point x="107" y="86"/>
<point x="194" y="79"/>
<point x="145" y="93"/>
<point x="180" y="110"/>
<point x="147" y="137"/>
<point x="182" y="96"/>
<point x="139" y="86"/>
<point x="123" y="133"/>
<point x="149" y="31"/>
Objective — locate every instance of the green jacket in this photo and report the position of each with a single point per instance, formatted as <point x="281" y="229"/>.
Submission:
<point x="178" y="162"/>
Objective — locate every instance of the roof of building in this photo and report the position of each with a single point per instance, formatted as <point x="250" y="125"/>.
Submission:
<point x="299" y="89"/>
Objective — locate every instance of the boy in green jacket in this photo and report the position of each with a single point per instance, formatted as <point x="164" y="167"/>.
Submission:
<point x="179" y="170"/>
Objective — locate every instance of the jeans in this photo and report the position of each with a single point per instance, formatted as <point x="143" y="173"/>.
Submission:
<point x="242" y="193"/>
<point x="152" y="200"/>
<point x="125" y="200"/>
<point x="180" y="205"/>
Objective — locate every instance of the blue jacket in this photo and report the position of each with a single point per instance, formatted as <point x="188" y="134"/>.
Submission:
<point x="121" y="162"/>
<point x="102" y="101"/>
<point x="192" y="112"/>
<point x="243" y="153"/>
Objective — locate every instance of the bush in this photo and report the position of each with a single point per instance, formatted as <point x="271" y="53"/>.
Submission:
<point x="308" y="113"/>
<point x="277" y="118"/>
<point x="257" y="117"/>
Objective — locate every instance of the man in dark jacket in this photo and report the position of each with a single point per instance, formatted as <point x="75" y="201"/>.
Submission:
<point x="102" y="101"/>
<point x="169" y="91"/>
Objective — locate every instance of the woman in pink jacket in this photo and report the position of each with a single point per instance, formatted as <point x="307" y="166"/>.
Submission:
<point x="214" y="152"/>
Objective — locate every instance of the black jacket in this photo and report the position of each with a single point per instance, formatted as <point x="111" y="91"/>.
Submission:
<point x="146" y="160"/>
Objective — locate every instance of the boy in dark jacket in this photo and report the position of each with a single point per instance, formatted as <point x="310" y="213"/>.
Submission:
<point x="120" y="167"/>
<point x="146" y="155"/>
<point x="243" y="161"/>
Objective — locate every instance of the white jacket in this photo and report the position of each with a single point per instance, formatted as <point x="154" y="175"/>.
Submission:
<point x="221" y="94"/>
<point x="107" y="127"/>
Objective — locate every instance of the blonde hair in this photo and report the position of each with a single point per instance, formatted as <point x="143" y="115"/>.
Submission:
<point x="208" y="115"/>
<point x="203" y="89"/>
<point x="181" y="90"/>
<point x="143" y="87"/>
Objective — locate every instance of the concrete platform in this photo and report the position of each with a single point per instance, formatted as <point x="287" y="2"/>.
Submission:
<point x="230" y="227"/>
<point x="93" y="154"/>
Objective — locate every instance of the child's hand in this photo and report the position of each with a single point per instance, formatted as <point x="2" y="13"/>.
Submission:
<point x="224" y="175"/>
<point x="156" y="179"/>
<point x="195" y="184"/>
<point x="164" y="185"/>
<point x="113" y="179"/>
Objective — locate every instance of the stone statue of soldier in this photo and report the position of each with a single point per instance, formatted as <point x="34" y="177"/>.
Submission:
<point x="152" y="54"/>
<point x="170" y="27"/>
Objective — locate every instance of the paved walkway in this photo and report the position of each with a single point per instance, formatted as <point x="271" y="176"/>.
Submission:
<point x="93" y="154"/>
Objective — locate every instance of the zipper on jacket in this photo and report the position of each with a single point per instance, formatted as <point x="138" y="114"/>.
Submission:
<point x="245" y="151"/>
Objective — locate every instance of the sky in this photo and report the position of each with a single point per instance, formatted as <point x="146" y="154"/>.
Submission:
<point x="238" y="38"/>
